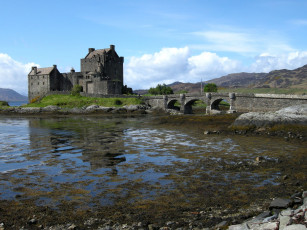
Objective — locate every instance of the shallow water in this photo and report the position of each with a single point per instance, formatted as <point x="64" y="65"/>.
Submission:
<point x="95" y="162"/>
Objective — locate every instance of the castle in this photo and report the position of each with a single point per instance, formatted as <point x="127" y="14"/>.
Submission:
<point x="101" y="73"/>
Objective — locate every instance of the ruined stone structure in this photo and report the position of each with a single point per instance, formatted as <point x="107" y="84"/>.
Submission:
<point x="101" y="74"/>
<point x="238" y="102"/>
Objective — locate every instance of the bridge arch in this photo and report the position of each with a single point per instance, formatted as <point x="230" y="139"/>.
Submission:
<point x="171" y="104"/>
<point x="188" y="106"/>
<point x="220" y="104"/>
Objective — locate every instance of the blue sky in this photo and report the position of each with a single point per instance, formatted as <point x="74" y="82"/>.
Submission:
<point x="162" y="40"/>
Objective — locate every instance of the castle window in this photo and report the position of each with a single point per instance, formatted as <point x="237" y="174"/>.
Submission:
<point x="37" y="83"/>
<point x="43" y="83"/>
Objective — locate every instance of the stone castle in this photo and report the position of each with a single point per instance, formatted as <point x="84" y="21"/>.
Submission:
<point x="101" y="74"/>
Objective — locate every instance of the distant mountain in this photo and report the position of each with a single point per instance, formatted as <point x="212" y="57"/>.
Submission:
<point x="11" y="95"/>
<point x="296" y="78"/>
<point x="284" y="78"/>
<point x="234" y="80"/>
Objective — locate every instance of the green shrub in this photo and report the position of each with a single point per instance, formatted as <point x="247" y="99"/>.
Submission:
<point x="118" y="102"/>
<point x="127" y="90"/>
<point x="4" y="103"/>
<point x="161" y="90"/>
<point x="76" y="90"/>
<point x="210" y="87"/>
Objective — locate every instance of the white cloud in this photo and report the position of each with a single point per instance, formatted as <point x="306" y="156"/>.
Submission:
<point x="176" y="64"/>
<point x="228" y="41"/>
<point x="162" y="67"/>
<point x="267" y="62"/>
<point x="247" y="42"/>
<point x="14" y="74"/>
<point x="208" y="65"/>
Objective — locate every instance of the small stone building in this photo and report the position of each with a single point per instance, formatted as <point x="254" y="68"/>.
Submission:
<point x="101" y="73"/>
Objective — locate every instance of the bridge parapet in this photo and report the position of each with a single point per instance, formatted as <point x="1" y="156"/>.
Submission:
<point x="237" y="101"/>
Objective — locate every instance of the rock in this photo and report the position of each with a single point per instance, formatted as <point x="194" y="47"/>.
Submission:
<point x="283" y="222"/>
<point x="105" y="109"/>
<point x="92" y="108"/>
<point x="119" y="110"/>
<point x="295" y="227"/>
<point x="289" y="115"/>
<point x="304" y="194"/>
<point x="32" y="221"/>
<point x="222" y="225"/>
<point x="296" y="109"/>
<point x="263" y="215"/>
<point x="51" y="108"/>
<point x="280" y="203"/>
<point x="267" y="226"/>
<point x="72" y="227"/>
<point x="132" y="108"/>
<point x="270" y="218"/>
<point x="29" y="110"/>
<point x="259" y="159"/>
<point x="239" y="227"/>
<point x="214" y="111"/>
<point x="77" y="110"/>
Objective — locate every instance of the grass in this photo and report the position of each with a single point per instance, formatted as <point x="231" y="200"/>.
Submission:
<point x="68" y="101"/>
<point x="264" y="90"/>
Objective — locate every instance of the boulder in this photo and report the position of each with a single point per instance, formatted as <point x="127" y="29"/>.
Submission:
<point x="29" y="110"/>
<point x="295" y="227"/>
<point x="289" y="115"/>
<point x="280" y="203"/>
<point x="51" y="108"/>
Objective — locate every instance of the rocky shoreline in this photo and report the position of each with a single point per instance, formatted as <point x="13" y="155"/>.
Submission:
<point x="283" y="214"/>
<point x="92" y="109"/>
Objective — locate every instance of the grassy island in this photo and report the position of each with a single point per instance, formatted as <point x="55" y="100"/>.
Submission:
<point x="69" y="101"/>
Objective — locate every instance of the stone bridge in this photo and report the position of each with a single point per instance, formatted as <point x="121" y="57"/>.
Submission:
<point x="238" y="102"/>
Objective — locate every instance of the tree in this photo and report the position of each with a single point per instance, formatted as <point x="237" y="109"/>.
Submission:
<point x="161" y="90"/>
<point x="210" y="87"/>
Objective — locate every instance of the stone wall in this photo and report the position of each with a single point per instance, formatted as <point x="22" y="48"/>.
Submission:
<point x="238" y="102"/>
<point x="266" y="102"/>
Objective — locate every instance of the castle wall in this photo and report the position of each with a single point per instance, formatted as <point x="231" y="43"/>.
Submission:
<point x="106" y="77"/>
<point x="89" y="65"/>
<point x="114" y="69"/>
<point x="38" y="85"/>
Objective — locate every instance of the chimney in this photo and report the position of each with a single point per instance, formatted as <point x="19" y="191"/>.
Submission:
<point x="112" y="47"/>
<point x="90" y="50"/>
<point x="54" y="66"/>
<point x="34" y="68"/>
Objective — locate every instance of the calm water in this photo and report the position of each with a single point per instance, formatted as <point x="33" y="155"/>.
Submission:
<point x="17" y="103"/>
<point x="98" y="161"/>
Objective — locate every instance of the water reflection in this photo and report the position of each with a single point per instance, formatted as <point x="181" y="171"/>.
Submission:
<point x="97" y="145"/>
<point x="101" y="161"/>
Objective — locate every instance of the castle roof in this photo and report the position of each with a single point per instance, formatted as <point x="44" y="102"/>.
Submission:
<point x="97" y="52"/>
<point x="46" y="70"/>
